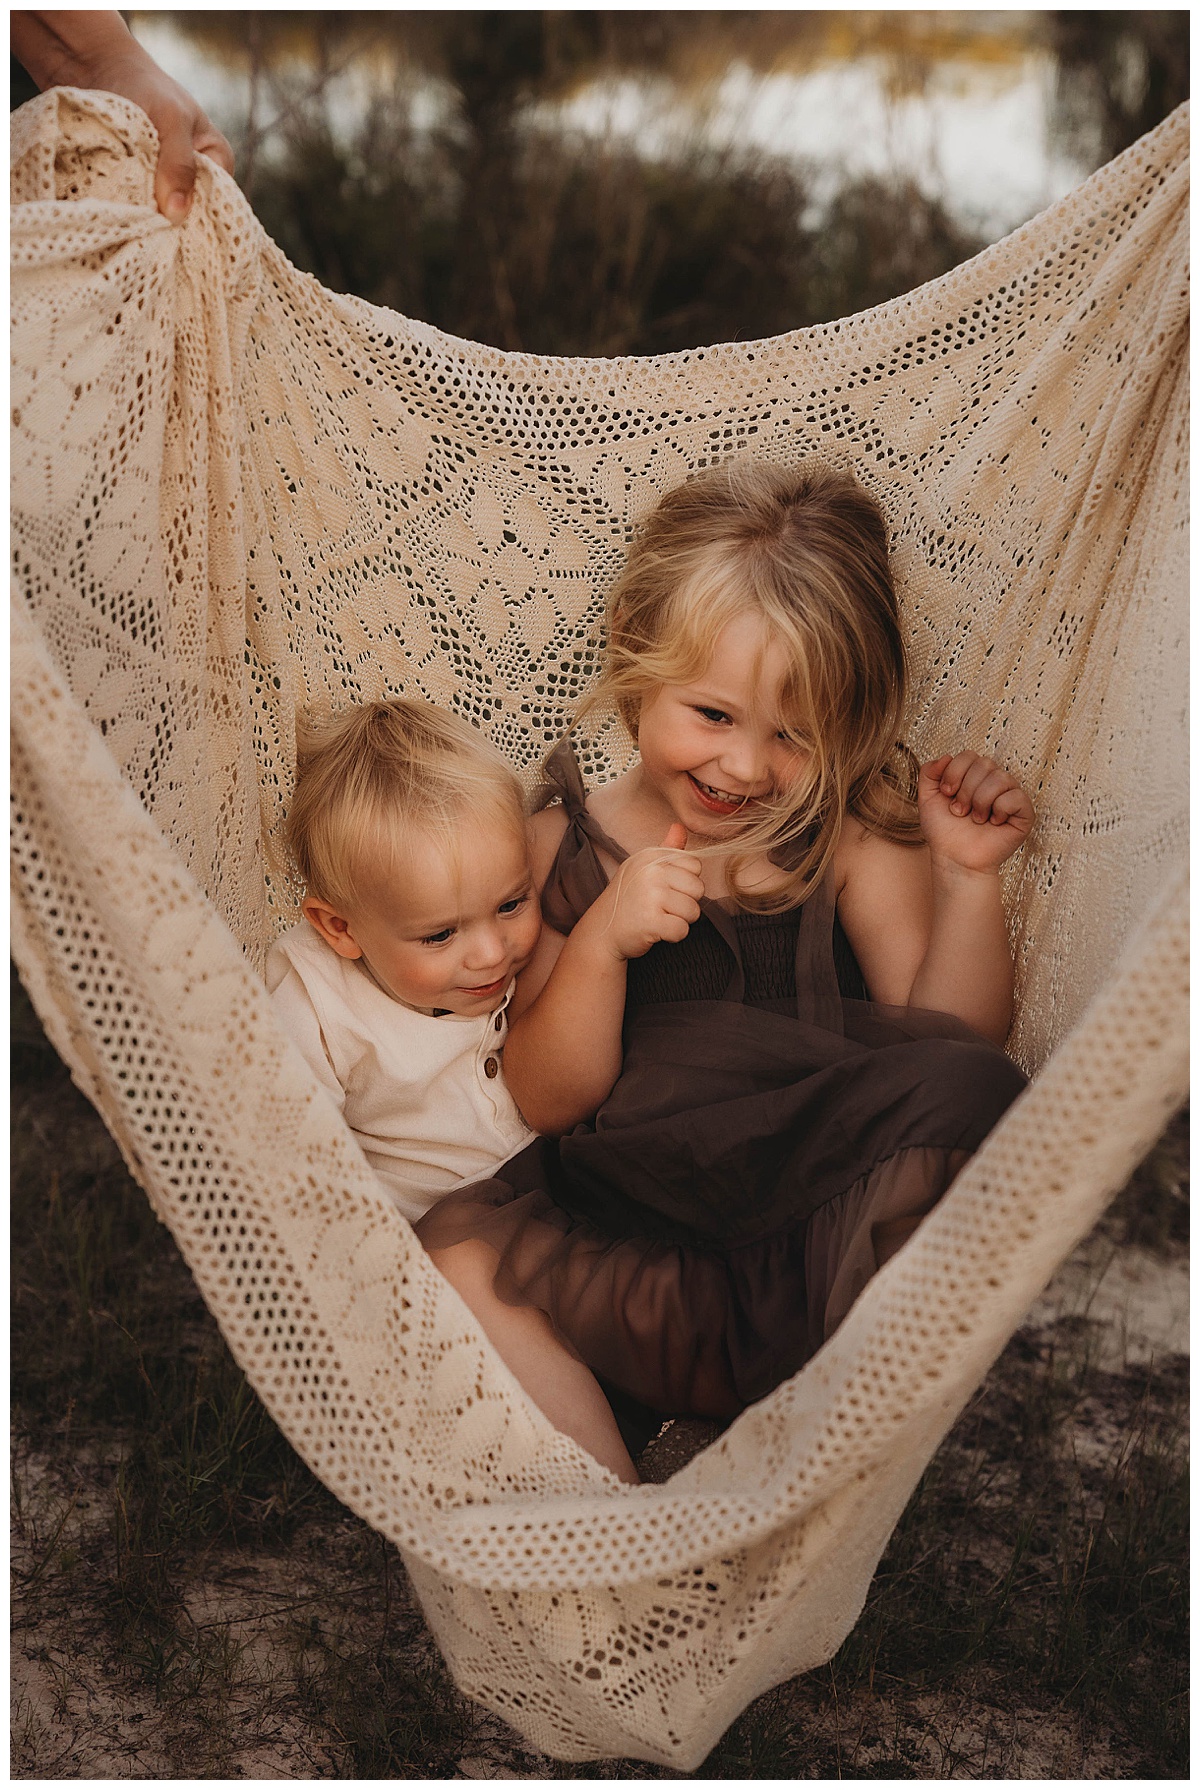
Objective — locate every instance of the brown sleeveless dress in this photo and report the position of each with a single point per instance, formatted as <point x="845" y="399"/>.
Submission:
<point x="772" y="1139"/>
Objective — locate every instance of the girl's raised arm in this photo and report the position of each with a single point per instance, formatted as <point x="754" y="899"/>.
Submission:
<point x="563" y="1052"/>
<point x="927" y="923"/>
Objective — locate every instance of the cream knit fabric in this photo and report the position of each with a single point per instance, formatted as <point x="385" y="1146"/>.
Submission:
<point x="235" y="493"/>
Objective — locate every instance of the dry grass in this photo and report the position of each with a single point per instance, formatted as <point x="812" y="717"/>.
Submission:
<point x="189" y="1601"/>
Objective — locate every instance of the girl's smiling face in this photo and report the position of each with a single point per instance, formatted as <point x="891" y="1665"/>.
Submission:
<point x="715" y="747"/>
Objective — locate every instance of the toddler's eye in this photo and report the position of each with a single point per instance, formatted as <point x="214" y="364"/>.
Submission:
<point x="513" y="906"/>
<point x="439" y="938"/>
<point x="713" y="714"/>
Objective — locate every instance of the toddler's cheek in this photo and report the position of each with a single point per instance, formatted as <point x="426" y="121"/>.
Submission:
<point x="532" y="933"/>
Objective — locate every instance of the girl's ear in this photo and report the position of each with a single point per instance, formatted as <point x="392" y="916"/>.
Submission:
<point x="333" y="927"/>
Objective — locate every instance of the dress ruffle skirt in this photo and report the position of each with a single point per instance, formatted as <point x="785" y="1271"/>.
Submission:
<point x="749" y="1172"/>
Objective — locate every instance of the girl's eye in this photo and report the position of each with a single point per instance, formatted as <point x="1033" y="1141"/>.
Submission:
<point x="439" y="938"/>
<point x="513" y="906"/>
<point x="713" y="714"/>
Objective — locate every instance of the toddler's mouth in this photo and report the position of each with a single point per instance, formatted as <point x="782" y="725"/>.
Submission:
<point x="488" y="988"/>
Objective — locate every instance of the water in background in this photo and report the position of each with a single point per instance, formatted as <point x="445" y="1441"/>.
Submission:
<point x="635" y="182"/>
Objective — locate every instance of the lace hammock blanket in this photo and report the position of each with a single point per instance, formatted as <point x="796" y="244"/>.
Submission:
<point x="236" y="493"/>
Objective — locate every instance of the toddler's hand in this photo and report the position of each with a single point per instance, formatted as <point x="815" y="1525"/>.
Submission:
<point x="973" y="814"/>
<point x="654" y="895"/>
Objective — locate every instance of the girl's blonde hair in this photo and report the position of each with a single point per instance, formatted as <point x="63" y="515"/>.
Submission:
<point x="804" y="548"/>
<point x="371" y="775"/>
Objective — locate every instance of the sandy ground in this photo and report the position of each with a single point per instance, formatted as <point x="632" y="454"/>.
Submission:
<point x="264" y="1627"/>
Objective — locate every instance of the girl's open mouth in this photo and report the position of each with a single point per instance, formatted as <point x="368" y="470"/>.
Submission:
<point x="715" y="801"/>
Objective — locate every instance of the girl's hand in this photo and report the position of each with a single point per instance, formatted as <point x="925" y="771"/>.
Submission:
<point x="654" y="895"/>
<point x="973" y="814"/>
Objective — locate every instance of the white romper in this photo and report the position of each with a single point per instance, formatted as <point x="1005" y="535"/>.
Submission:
<point x="424" y="1096"/>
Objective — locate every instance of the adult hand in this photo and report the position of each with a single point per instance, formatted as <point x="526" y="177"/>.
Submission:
<point x="96" y="49"/>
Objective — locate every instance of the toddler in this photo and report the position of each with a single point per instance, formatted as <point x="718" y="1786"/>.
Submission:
<point x="420" y="912"/>
<point x="410" y="834"/>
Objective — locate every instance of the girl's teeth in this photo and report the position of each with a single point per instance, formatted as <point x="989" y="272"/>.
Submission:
<point x="720" y="795"/>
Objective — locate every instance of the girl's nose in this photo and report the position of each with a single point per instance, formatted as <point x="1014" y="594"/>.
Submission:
<point x="745" y="761"/>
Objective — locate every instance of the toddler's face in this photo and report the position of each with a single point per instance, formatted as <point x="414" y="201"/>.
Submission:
<point x="715" y="747"/>
<point x="453" y="930"/>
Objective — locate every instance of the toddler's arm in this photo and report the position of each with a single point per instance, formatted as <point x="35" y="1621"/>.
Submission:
<point x="301" y="1022"/>
<point x="927" y="925"/>
<point x="563" y="1051"/>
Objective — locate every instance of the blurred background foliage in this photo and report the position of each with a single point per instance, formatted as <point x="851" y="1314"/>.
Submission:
<point x="460" y="166"/>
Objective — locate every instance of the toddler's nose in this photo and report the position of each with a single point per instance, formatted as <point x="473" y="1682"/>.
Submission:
<point x="486" y="949"/>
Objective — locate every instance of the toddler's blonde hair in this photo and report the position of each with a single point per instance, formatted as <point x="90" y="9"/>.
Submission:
<point x="804" y="548"/>
<point x="372" y="776"/>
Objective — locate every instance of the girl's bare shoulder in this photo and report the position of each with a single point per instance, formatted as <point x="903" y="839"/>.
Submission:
<point x="852" y="841"/>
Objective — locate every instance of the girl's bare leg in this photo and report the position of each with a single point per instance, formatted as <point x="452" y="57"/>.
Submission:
<point x="558" y="1382"/>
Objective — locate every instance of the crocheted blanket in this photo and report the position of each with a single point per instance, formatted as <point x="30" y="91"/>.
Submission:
<point x="236" y="493"/>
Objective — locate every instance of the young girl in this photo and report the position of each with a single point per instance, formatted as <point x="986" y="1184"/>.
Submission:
<point x="776" y="976"/>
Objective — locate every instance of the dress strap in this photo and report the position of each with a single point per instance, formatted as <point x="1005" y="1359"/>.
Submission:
<point x="577" y="877"/>
<point x="818" y="996"/>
